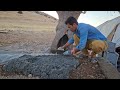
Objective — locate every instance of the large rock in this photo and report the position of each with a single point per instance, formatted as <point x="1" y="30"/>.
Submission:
<point x="108" y="69"/>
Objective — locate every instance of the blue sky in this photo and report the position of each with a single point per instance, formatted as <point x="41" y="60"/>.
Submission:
<point x="94" y="18"/>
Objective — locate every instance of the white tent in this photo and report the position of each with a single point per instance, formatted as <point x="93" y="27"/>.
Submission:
<point x="111" y="29"/>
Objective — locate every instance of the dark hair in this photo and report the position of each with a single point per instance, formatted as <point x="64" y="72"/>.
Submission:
<point x="71" y="20"/>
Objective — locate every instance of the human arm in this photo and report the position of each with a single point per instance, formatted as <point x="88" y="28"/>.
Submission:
<point x="74" y="51"/>
<point x="82" y="42"/>
<point x="83" y="39"/>
<point x="70" y="41"/>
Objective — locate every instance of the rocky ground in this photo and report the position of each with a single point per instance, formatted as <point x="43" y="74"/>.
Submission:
<point x="56" y="67"/>
<point x="37" y="43"/>
<point x="29" y="37"/>
<point x="7" y="75"/>
<point x="87" y="70"/>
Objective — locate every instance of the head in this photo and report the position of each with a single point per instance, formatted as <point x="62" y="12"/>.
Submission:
<point x="71" y="23"/>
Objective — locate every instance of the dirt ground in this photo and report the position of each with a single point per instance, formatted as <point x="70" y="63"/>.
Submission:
<point x="37" y="42"/>
<point x="6" y="75"/>
<point x="87" y="70"/>
<point x="25" y="33"/>
<point x="24" y="42"/>
<point x="29" y="36"/>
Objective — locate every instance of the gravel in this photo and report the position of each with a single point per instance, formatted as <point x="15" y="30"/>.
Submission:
<point x="42" y="66"/>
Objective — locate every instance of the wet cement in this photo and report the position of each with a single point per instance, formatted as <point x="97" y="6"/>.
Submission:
<point x="43" y="66"/>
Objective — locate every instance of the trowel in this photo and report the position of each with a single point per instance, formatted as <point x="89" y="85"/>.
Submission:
<point x="62" y="51"/>
<point x="68" y="52"/>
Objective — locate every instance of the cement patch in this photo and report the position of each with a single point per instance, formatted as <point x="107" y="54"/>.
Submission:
<point x="43" y="66"/>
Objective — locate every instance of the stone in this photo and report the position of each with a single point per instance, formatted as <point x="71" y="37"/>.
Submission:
<point x="111" y="46"/>
<point x="112" y="57"/>
<point x="108" y="69"/>
<point x="110" y="54"/>
<point x="30" y="75"/>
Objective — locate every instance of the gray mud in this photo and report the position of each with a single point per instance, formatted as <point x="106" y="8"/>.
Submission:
<point x="43" y="66"/>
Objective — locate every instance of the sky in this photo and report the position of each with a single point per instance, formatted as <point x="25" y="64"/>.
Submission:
<point x="94" y="18"/>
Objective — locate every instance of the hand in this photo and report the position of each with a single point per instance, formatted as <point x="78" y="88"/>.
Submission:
<point x="61" y="48"/>
<point x="73" y="51"/>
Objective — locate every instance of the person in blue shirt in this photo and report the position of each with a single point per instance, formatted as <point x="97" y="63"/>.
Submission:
<point x="88" y="39"/>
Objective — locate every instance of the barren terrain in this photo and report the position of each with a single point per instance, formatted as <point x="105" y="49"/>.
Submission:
<point x="32" y="33"/>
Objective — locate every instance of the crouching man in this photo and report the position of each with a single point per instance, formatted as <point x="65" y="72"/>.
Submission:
<point x="88" y="39"/>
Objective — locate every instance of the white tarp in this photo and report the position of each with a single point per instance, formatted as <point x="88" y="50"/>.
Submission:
<point x="116" y="38"/>
<point x="107" y="27"/>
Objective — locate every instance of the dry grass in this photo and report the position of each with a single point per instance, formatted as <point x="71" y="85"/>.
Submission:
<point x="19" y="28"/>
<point x="29" y="20"/>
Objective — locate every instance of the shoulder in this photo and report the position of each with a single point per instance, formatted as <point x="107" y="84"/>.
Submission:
<point x="82" y="26"/>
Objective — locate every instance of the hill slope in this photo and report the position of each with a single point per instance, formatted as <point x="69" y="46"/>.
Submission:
<point x="29" y="20"/>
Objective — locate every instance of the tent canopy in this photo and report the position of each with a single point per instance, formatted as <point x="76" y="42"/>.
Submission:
<point x="111" y="29"/>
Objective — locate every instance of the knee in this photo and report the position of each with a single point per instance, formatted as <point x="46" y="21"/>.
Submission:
<point x="98" y="46"/>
